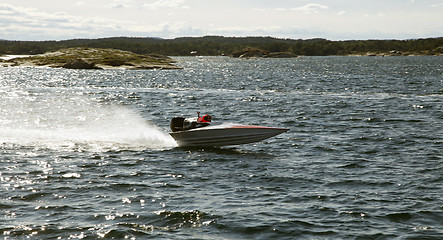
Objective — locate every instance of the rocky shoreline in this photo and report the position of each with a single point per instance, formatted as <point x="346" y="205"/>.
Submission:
<point x="261" y="53"/>
<point x="105" y="58"/>
<point x="92" y="58"/>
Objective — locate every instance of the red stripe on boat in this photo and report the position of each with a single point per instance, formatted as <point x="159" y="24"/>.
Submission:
<point x="250" y="126"/>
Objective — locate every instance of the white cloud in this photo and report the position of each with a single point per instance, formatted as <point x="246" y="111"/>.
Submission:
<point x="437" y="5"/>
<point x="18" y="23"/>
<point x="170" y="30"/>
<point x="254" y="30"/>
<point x="165" y="4"/>
<point x="45" y="20"/>
<point x="120" y="4"/>
<point x="310" y="8"/>
<point x="6" y="9"/>
<point x="295" y="32"/>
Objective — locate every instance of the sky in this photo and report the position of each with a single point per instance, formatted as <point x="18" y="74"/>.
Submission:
<point x="37" y="20"/>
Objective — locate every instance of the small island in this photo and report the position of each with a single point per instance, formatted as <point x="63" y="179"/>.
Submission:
<point x="93" y="58"/>
<point x="257" y="53"/>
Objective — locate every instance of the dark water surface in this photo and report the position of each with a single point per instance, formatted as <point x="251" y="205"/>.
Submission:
<point x="86" y="154"/>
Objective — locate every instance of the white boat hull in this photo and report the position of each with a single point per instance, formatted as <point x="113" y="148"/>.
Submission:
<point x="223" y="135"/>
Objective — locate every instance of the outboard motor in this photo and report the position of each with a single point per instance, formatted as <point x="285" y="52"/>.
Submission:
<point x="177" y="124"/>
<point x="190" y="123"/>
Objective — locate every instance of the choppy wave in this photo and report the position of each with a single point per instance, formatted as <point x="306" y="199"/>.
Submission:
<point x="85" y="154"/>
<point x="116" y="225"/>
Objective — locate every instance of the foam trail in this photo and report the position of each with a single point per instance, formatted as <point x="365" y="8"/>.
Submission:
<point x="78" y="124"/>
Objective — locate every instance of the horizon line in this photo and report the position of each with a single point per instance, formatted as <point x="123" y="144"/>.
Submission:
<point x="221" y="36"/>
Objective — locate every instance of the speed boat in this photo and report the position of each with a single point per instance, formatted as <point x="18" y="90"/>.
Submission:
<point x="189" y="132"/>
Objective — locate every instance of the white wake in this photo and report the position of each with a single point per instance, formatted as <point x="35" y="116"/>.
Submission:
<point x="77" y="124"/>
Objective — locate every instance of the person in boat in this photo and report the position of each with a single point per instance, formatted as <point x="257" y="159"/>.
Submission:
<point x="201" y="122"/>
<point x="205" y="119"/>
<point x="183" y="124"/>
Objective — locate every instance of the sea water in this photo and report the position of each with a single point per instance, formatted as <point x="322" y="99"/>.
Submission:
<point x="86" y="154"/>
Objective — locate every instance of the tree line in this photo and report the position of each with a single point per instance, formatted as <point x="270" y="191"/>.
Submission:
<point x="217" y="45"/>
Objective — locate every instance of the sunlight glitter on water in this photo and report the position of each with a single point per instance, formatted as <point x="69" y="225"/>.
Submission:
<point x="85" y="154"/>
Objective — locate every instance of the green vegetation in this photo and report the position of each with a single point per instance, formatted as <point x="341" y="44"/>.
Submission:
<point x="215" y="45"/>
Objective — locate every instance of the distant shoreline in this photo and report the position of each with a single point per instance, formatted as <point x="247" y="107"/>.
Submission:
<point x="226" y="46"/>
<point x="29" y="61"/>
